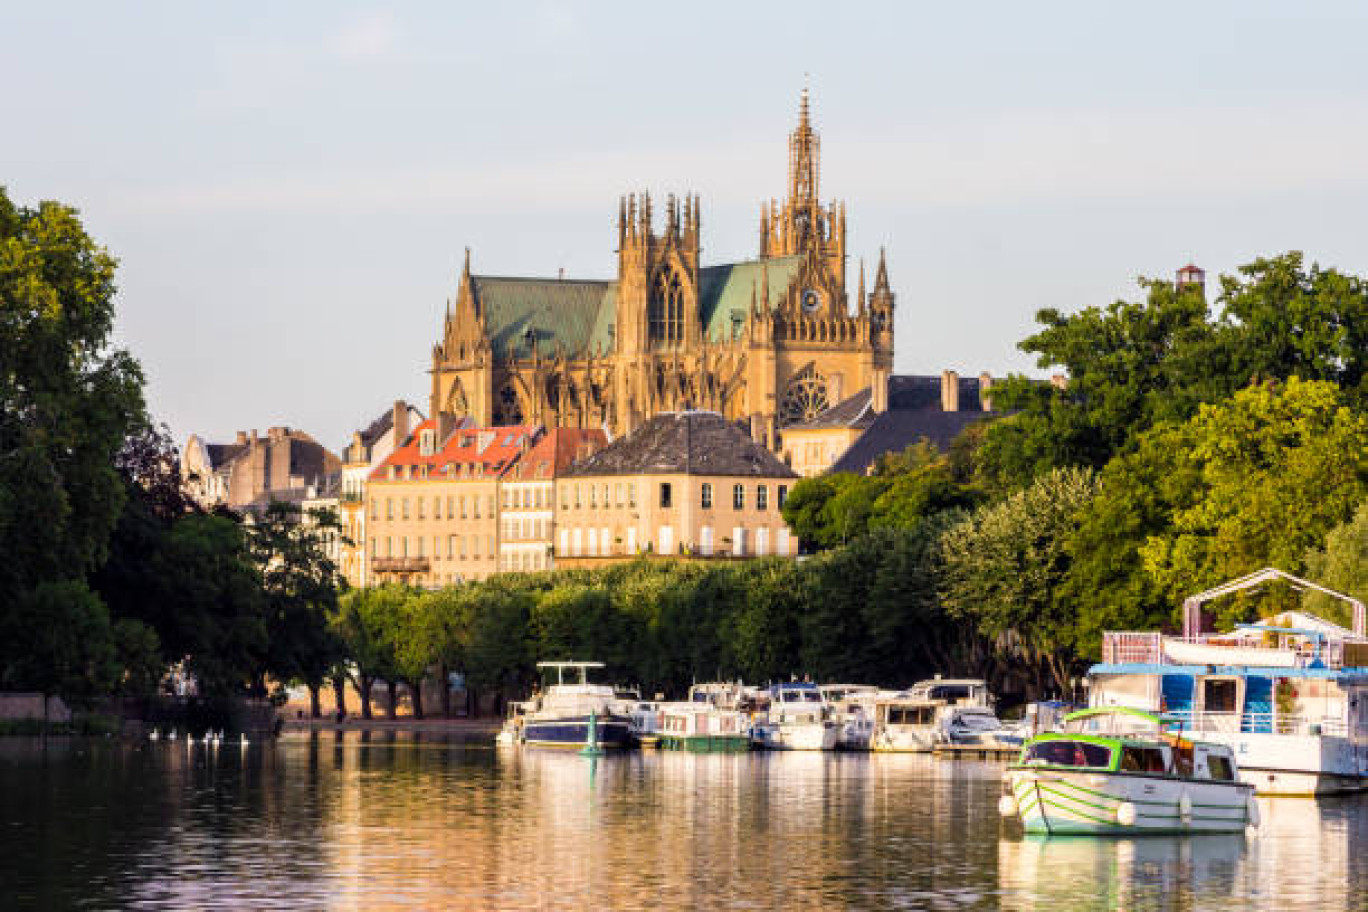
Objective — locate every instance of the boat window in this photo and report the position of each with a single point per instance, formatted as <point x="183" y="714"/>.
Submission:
<point x="980" y="722"/>
<point x="1220" y="768"/>
<point x="910" y="715"/>
<point x="1218" y="696"/>
<point x="1069" y="753"/>
<point x="1142" y="759"/>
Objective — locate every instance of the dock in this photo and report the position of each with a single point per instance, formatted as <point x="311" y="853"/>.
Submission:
<point x="977" y="751"/>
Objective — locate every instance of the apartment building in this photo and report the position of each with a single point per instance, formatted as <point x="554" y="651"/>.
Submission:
<point x="527" y="497"/>
<point x="432" y="507"/>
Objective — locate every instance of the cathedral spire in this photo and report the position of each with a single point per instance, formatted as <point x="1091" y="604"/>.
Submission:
<point x="881" y="278"/>
<point x="860" y="297"/>
<point x="804" y="153"/>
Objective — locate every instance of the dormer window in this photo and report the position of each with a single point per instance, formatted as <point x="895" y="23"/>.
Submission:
<point x="427" y="442"/>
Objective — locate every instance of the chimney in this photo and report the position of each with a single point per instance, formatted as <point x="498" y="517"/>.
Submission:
<point x="985" y="391"/>
<point x="446" y="426"/>
<point x="401" y="423"/>
<point x="949" y="391"/>
<point x="757" y="428"/>
<point x="878" y="392"/>
<point x="241" y="439"/>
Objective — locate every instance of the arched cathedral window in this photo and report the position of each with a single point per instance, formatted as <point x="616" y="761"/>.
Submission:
<point x="665" y="309"/>
<point x="507" y="406"/>
<point x="805" y="396"/>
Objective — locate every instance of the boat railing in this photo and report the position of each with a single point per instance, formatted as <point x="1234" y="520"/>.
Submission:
<point x="1258" y="723"/>
<point x="1145" y="648"/>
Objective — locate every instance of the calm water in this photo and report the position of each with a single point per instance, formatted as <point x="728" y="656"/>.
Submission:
<point x="355" y="823"/>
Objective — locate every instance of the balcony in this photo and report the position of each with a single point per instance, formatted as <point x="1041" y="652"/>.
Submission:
<point x="399" y="564"/>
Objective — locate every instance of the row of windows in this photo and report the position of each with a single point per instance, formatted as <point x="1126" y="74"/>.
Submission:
<point x="453" y="503"/>
<point x="596" y="495"/>
<point x="523" y="529"/>
<point x="762" y="501"/>
<point x="740" y="542"/>
<point x="458" y="547"/>
<point x="525" y="562"/>
<point x="538" y="498"/>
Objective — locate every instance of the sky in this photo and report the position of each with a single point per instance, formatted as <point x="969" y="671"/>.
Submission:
<point x="290" y="187"/>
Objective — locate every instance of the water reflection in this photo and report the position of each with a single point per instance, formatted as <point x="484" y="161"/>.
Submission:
<point x="384" y="820"/>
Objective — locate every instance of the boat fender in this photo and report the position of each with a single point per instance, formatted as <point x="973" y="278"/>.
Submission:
<point x="1185" y="808"/>
<point x="1252" y="811"/>
<point x="1007" y="806"/>
<point x="1125" y="814"/>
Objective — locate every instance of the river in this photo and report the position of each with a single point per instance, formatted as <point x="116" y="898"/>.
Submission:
<point x="356" y="822"/>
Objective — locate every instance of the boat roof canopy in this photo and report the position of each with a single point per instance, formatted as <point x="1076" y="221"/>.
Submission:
<point x="569" y="664"/>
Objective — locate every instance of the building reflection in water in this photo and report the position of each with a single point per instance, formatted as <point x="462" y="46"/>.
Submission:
<point x="391" y="820"/>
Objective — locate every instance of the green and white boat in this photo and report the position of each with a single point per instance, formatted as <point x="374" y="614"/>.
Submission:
<point x="1121" y="771"/>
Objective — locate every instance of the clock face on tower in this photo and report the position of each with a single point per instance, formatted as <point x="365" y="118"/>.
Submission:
<point x="811" y="301"/>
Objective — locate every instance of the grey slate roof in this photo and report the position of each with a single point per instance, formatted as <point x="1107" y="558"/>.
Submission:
<point x="914" y="412"/>
<point x="689" y="443"/>
<point x="896" y="430"/>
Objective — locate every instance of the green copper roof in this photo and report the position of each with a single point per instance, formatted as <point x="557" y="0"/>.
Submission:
<point x="726" y="290"/>
<point x="581" y="315"/>
<point x="555" y="310"/>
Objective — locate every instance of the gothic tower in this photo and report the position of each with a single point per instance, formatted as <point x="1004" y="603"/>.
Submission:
<point x="802" y="225"/>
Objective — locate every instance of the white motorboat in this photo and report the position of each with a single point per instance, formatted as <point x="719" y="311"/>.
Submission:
<point x="1119" y="771"/>
<point x="798" y="718"/>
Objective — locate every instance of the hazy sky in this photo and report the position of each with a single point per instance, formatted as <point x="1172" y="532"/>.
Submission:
<point x="289" y="186"/>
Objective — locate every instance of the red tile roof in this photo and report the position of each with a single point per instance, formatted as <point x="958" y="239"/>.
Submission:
<point x="501" y="448"/>
<point x="557" y="449"/>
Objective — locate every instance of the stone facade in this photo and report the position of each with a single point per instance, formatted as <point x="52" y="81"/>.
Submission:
<point x="367" y="450"/>
<point x="432" y="506"/>
<point x="684" y="484"/>
<point x="527" y="516"/>
<point x="768" y="342"/>
<point x="253" y="470"/>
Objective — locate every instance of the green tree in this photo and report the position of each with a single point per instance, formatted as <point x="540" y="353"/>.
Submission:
<point x="1277" y="467"/>
<point x="1341" y="564"/>
<point x="56" y="639"/>
<point x="1004" y="568"/>
<point x="300" y="584"/>
<point x="360" y="624"/>
<point x="67" y="401"/>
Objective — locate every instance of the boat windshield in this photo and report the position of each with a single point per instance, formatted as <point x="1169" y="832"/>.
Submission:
<point x="979" y="722"/>
<point x="791" y="695"/>
<point x="1112" y="723"/>
<point x="1068" y="753"/>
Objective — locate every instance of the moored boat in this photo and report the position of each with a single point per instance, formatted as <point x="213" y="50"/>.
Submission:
<point x="561" y="714"/>
<point x="798" y="718"/>
<point x="1289" y="694"/>
<point x="1123" y="771"/>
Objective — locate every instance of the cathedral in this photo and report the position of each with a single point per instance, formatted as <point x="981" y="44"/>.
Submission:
<point x="767" y="342"/>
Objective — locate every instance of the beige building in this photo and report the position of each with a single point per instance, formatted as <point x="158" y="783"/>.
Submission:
<point x="684" y="483"/>
<point x="367" y="450"/>
<point x="527" y="513"/>
<point x="432" y="507"/>
<point x="768" y="342"/>
<point x="253" y="470"/>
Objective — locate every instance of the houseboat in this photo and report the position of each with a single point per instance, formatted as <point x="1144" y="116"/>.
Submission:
<point x="1122" y="771"/>
<point x="559" y="716"/>
<point x="1288" y="695"/>
<point x="905" y="724"/>
<point x="798" y="718"/>
<point x="852" y="706"/>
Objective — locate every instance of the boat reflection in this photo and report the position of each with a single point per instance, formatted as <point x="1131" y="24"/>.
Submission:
<point x="1310" y="871"/>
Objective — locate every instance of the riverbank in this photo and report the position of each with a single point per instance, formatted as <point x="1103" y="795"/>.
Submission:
<point x="401" y="724"/>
